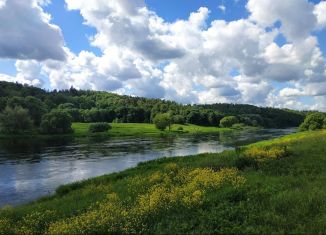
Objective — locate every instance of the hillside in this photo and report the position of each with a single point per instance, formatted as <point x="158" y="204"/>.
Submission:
<point x="97" y="106"/>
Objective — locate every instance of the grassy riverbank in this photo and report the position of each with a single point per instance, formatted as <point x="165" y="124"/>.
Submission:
<point x="275" y="186"/>
<point x="130" y="129"/>
<point x="138" y="129"/>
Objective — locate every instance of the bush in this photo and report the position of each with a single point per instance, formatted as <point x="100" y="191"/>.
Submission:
<point x="238" y="126"/>
<point x="162" y="121"/>
<point x="324" y="125"/>
<point x="56" y="122"/>
<point x="15" y="120"/>
<point x="229" y="121"/>
<point x="313" y="121"/>
<point x="99" y="127"/>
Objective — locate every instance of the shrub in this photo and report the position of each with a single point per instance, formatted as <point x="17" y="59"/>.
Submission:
<point x="180" y="129"/>
<point x="56" y="122"/>
<point x="324" y="124"/>
<point x="15" y="120"/>
<point x="229" y="121"/>
<point x="313" y="121"/>
<point x="162" y="121"/>
<point x="238" y="126"/>
<point x="99" y="127"/>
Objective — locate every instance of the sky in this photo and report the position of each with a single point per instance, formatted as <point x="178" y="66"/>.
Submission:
<point x="261" y="52"/>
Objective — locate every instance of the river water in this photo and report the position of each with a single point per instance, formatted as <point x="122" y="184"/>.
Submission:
<point x="31" y="168"/>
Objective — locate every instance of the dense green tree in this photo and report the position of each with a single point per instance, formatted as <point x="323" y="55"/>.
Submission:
<point x="313" y="121"/>
<point x="229" y="121"/>
<point x="194" y="117"/>
<point x="178" y="119"/>
<point x="36" y="109"/>
<point x="15" y="120"/>
<point x="56" y="122"/>
<point x="162" y="121"/>
<point x="3" y="103"/>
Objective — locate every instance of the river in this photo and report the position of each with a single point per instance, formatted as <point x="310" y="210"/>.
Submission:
<point x="31" y="168"/>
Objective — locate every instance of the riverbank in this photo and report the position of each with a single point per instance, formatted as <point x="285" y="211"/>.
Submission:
<point x="145" y="129"/>
<point x="80" y="130"/>
<point x="273" y="186"/>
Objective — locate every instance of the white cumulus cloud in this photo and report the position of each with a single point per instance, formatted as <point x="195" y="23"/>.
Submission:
<point x="26" y="32"/>
<point x="193" y="60"/>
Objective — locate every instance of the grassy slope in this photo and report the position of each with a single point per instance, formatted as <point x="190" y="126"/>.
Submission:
<point x="193" y="194"/>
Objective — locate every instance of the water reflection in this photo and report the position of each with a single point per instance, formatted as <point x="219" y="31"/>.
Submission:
<point x="30" y="168"/>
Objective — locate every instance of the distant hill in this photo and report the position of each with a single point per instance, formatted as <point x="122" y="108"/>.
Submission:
<point x="95" y="106"/>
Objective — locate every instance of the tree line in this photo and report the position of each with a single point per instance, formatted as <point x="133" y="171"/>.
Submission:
<point x="45" y="110"/>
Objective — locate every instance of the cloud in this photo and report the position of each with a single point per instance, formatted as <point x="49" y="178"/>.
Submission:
<point x="28" y="33"/>
<point x="222" y="8"/>
<point x="195" y="60"/>
<point x="296" y="16"/>
<point x="320" y="12"/>
<point x="2" y="3"/>
<point x="128" y="25"/>
<point x="28" y="72"/>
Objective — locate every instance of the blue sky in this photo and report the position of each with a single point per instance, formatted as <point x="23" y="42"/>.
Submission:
<point x="263" y="52"/>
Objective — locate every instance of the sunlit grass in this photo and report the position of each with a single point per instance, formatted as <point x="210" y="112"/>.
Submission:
<point x="134" y="129"/>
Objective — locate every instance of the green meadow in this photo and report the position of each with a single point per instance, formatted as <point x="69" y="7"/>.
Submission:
<point x="145" y="129"/>
<point x="272" y="187"/>
<point x="128" y="129"/>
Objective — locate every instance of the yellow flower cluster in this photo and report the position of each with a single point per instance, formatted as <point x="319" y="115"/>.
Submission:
<point x="30" y="224"/>
<point x="261" y="154"/>
<point x="171" y="188"/>
<point x="5" y="227"/>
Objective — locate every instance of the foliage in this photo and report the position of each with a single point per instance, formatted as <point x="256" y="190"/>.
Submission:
<point x="238" y="126"/>
<point x="35" y="107"/>
<point x="229" y="121"/>
<point x="15" y="120"/>
<point x="313" y="121"/>
<point x="266" y="117"/>
<point x="179" y="119"/>
<point x="180" y="129"/>
<point x="162" y="121"/>
<point x="56" y="122"/>
<point x="99" y="127"/>
<point x="96" y="106"/>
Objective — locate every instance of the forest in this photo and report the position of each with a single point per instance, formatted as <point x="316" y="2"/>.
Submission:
<point x="85" y="106"/>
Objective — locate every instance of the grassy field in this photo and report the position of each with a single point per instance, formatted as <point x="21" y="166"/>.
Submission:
<point x="136" y="129"/>
<point x="272" y="187"/>
<point x="129" y="129"/>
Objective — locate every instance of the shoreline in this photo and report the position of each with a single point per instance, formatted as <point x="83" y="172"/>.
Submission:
<point x="126" y="130"/>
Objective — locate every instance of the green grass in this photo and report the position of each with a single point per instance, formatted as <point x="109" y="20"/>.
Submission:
<point x="279" y="189"/>
<point x="137" y="129"/>
<point x="128" y="129"/>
